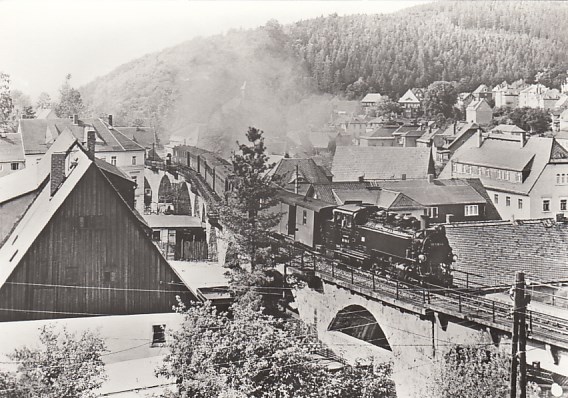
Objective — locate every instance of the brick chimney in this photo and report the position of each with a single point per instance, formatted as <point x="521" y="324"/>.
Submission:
<point x="91" y="140"/>
<point x="110" y="120"/>
<point x="57" y="171"/>
<point x="479" y="138"/>
<point x="430" y="178"/>
<point x="76" y="119"/>
<point x="523" y="139"/>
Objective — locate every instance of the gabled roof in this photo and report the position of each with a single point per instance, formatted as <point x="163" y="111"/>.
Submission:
<point x="411" y="96"/>
<point x="477" y="105"/>
<point x="325" y="192"/>
<point x="507" y="129"/>
<point x="41" y="113"/>
<point x="45" y="205"/>
<point x="302" y="200"/>
<point x="481" y="89"/>
<point x="39" y="134"/>
<point x="307" y="169"/>
<point x="372" y="97"/>
<point x="11" y="148"/>
<point x="502" y="151"/>
<point x="144" y="136"/>
<point x="380" y="163"/>
<point x="437" y="192"/>
<point x="495" y="250"/>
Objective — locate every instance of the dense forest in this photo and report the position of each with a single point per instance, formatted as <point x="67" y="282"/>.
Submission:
<point x="467" y="42"/>
<point x="285" y="78"/>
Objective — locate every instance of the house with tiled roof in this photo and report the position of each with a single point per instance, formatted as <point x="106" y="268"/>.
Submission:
<point x="538" y="96"/>
<point x="357" y="163"/>
<point x="479" y="112"/>
<point x="525" y="177"/>
<point x="507" y="95"/>
<point x="411" y="103"/>
<point x="370" y="101"/>
<point x="482" y="92"/>
<point x="493" y="251"/>
<point x="42" y="113"/>
<point x="111" y="145"/>
<point x="454" y="136"/>
<point x="442" y="200"/>
<point x="11" y="153"/>
<point x="379" y="136"/>
<point x="71" y="199"/>
<point x="511" y="129"/>
<point x="298" y="174"/>
<point x="144" y="136"/>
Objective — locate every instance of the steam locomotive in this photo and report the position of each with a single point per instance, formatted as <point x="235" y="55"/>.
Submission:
<point x="389" y="244"/>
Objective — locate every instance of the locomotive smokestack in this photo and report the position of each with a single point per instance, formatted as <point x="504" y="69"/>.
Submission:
<point x="424" y="221"/>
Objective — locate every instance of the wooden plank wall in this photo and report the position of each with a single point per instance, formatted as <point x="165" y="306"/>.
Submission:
<point x="92" y="258"/>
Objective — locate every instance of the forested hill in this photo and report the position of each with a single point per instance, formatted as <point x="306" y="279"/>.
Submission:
<point x="281" y="78"/>
<point x="468" y="42"/>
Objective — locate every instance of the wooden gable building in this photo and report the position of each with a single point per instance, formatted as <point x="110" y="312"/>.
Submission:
<point x="74" y="246"/>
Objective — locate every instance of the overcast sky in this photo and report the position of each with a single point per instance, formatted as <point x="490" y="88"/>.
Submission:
<point x="42" y="41"/>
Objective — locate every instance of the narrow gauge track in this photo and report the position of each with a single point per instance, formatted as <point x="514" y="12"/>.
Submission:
<point x="453" y="301"/>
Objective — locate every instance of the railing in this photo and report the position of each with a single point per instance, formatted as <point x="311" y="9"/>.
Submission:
<point x="435" y="298"/>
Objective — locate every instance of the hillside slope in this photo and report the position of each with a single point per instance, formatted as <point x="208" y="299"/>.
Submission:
<point x="281" y="79"/>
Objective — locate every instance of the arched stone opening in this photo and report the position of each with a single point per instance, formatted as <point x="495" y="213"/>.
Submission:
<point x="181" y="199"/>
<point x="165" y="191"/>
<point x="356" y="321"/>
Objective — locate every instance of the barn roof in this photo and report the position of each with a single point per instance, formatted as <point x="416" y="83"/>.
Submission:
<point x="43" y="208"/>
<point x="496" y="249"/>
<point x="380" y="163"/>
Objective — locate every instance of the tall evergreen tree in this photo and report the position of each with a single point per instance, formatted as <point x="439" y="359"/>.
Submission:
<point x="247" y="212"/>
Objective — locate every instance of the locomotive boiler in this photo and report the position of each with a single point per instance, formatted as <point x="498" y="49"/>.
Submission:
<point x="393" y="245"/>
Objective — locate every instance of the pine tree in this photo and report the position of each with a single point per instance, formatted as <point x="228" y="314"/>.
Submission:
<point x="247" y="212"/>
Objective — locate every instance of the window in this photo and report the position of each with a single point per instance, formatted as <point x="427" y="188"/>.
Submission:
<point x="508" y="201"/>
<point x="546" y="205"/>
<point x="304" y="217"/>
<point x="113" y="160"/>
<point x="156" y="235"/>
<point x="520" y="203"/>
<point x="158" y="335"/>
<point x="496" y="199"/>
<point x="558" y="178"/>
<point x="488" y="172"/>
<point x="133" y="160"/>
<point x="563" y="204"/>
<point x="454" y="167"/>
<point x="471" y="210"/>
<point x="15" y="166"/>
<point x="518" y="177"/>
<point x="563" y="179"/>
<point x="109" y="276"/>
<point x="474" y="170"/>
<point x="362" y="239"/>
<point x="507" y="175"/>
<point x="433" y="212"/>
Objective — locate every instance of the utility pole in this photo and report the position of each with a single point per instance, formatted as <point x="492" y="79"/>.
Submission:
<point x="519" y="336"/>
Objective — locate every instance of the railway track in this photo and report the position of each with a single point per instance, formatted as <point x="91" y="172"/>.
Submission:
<point x="460" y="302"/>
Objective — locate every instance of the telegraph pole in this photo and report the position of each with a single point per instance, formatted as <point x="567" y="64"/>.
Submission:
<point x="519" y="336"/>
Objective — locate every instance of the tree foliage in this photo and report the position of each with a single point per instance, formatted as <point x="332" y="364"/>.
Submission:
<point x="248" y="212"/>
<point x="254" y="355"/>
<point x="387" y="107"/>
<point x="66" y="365"/>
<point x="6" y="104"/>
<point x="417" y="46"/>
<point x="70" y="101"/>
<point x="474" y="371"/>
<point x="533" y="120"/>
<point x="439" y="99"/>
<point x="44" y="101"/>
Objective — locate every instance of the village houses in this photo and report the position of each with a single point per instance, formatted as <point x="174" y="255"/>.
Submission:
<point x="526" y="177"/>
<point x="411" y="103"/>
<point x="111" y="145"/>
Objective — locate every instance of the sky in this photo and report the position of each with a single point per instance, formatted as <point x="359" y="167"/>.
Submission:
<point x="42" y="41"/>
